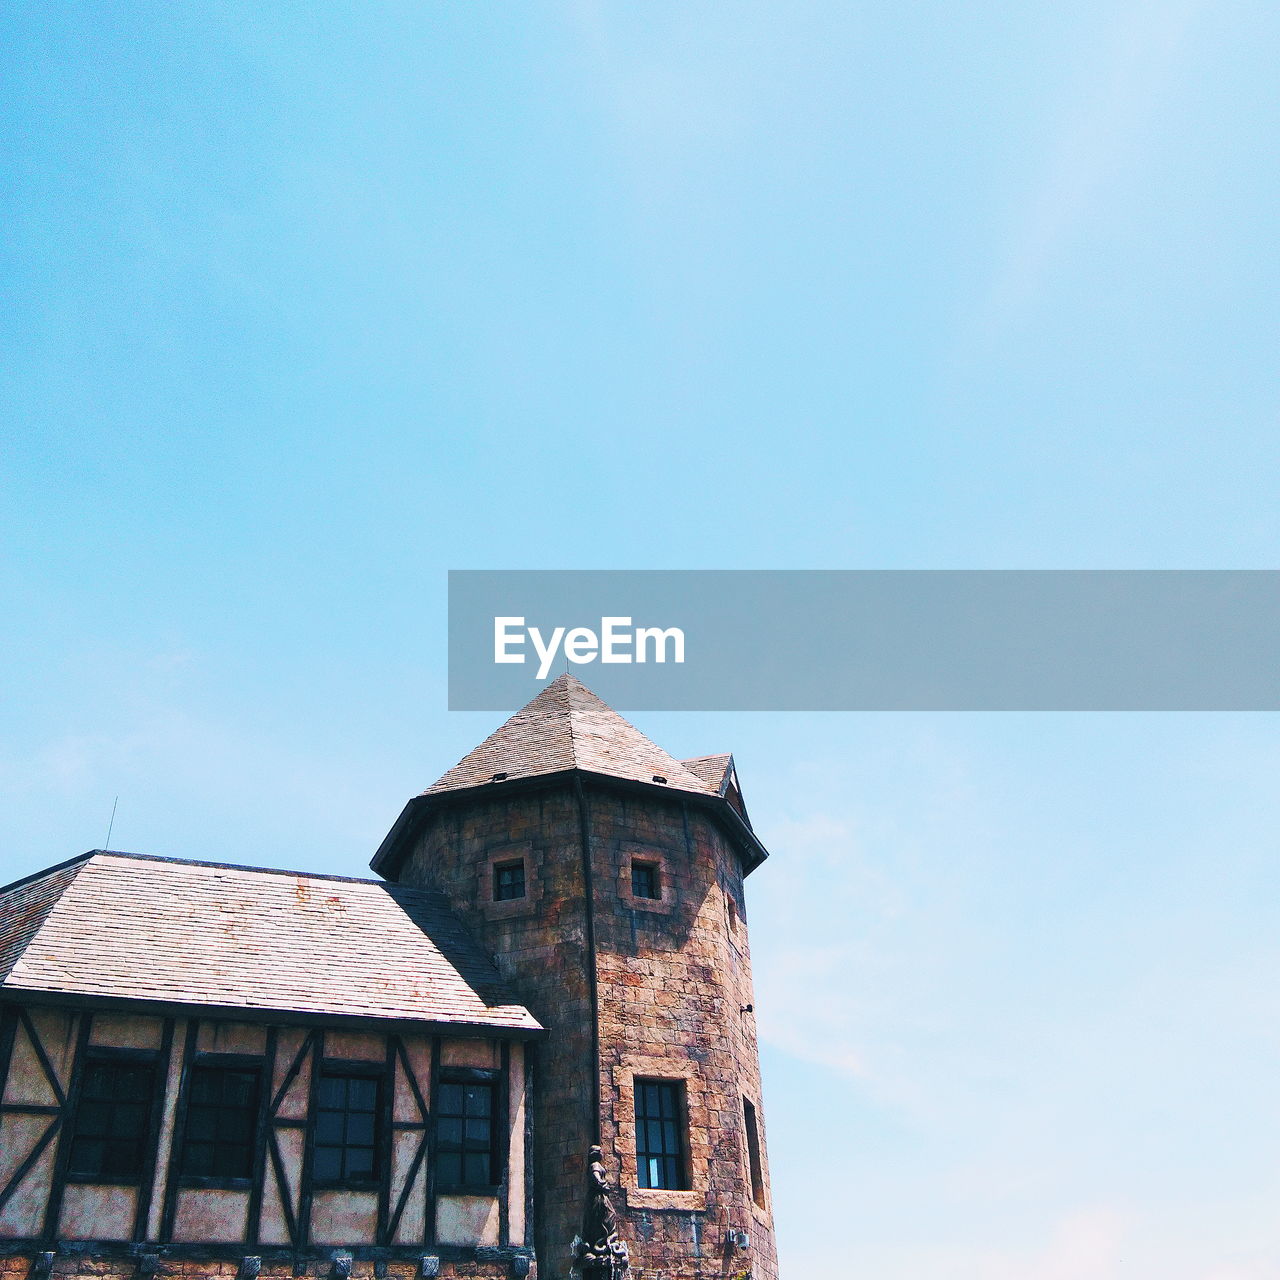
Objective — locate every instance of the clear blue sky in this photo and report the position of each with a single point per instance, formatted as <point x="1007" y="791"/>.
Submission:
<point x="306" y="304"/>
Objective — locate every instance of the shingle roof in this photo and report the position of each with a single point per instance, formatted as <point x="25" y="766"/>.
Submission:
<point x="191" y="933"/>
<point x="567" y="727"/>
<point x="713" y="770"/>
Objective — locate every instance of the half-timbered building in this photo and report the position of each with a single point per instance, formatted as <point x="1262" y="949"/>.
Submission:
<point x="528" y="1048"/>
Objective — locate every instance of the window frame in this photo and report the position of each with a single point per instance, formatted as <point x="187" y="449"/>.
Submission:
<point x="495" y="1081"/>
<point x="652" y="868"/>
<point x="632" y="852"/>
<point x="350" y="1069"/>
<point x="506" y="865"/>
<point x="680" y="1120"/>
<point x="754" y="1154"/>
<point x="486" y="878"/>
<point x="97" y="1055"/>
<point x="226" y="1062"/>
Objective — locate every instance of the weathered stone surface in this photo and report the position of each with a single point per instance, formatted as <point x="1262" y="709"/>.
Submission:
<point x="671" y="986"/>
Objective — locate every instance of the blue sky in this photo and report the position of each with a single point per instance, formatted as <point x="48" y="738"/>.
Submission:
<point x="306" y="305"/>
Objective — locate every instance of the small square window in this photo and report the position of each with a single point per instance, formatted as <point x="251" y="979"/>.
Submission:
<point x="646" y="881"/>
<point x="508" y="880"/>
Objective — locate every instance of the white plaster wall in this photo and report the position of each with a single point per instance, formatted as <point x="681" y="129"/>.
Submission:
<point x="344" y="1217"/>
<point x="97" y="1213"/>
<point x="467" y="1220"/>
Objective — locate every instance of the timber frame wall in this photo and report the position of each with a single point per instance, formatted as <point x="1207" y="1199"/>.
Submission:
<point x="282" y="1212"/>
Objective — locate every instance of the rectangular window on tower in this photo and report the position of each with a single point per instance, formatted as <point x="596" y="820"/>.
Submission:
<point x="753" y="1152"/>
<point x="508" y="880"/>
<point x="645" y="879"/>
<point x="660" y="1135"/>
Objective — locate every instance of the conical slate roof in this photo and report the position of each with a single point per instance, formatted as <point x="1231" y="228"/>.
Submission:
<point x="567" y="727"/>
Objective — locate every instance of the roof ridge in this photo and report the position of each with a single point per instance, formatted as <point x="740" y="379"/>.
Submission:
<point x="48" y="871"/>
<point x="202" y="862"/>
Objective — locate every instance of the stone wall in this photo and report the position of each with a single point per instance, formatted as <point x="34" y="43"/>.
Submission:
<point x="673" y="977"/>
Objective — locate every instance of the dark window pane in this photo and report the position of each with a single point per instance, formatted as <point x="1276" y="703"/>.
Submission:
<point x="113" y="1120"/>
<point x="362" y="1095"/>
<point x="238" y="1126"/>
<point x="660" y="1134"/>
<point x="360" y="1130"/>
<point x="233" y="1162"/>
<point x="222" y="1116"/>
<point x="333" y="1092"/>
<point x="644" y="880"/>
<point x="329" y="1126"/>
<point x="347" y="1129"/>
<point x="127" y="1120"/>
<point x="204" y="1087"/>
<point x="86" y="1155"/>
<point x="508" y="881"/>
<point x="93" y="1119"/>
<point x="97" y="1080"/>
<point x="464" y="1134"/>
<point x="240" y="1088"/>
<point x="120" y="1159"/>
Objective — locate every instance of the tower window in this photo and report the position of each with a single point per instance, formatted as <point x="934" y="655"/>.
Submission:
<point x="660" y="1145"/>
<point x="508" y="880"/>
<point x="646" y="881"/>
<point x="753" y="1152"/>
<point x="347" y="1129"/>
<point x="465" y="1154"/>
<point x="222" y="1120"/>
<point x="113" y="1120"/>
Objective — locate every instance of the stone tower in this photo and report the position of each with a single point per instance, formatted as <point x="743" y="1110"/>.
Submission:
<point x="606" y="878"/>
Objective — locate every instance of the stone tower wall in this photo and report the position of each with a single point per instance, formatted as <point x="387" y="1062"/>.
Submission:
<point x="673" y="977"/>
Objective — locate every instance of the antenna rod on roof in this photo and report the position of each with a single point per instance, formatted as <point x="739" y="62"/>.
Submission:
<point x="112" y="823"/>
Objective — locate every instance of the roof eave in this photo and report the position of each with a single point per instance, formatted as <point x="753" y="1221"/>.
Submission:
<point x="295" y="1017"/>
<point x="386" y="861"/>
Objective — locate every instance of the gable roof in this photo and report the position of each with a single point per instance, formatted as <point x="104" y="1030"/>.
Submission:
<point x="567" y="727"/>
<point x="125" y="926"/>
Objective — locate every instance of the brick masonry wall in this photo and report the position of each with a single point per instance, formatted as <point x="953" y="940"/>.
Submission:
<point x="672" y="983"/>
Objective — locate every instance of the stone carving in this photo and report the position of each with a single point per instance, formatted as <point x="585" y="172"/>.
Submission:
<point x="599" y="1254"/>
